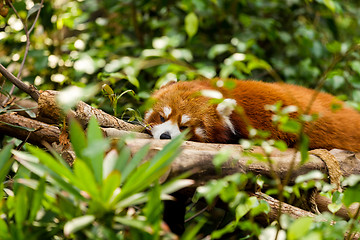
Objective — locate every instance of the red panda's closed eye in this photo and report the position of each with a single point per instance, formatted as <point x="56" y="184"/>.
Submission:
<point x="162" y="119"/>
<point x="182" y="128"/>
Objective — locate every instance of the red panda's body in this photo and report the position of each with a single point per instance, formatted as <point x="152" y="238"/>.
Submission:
<point x="185" y="105"/>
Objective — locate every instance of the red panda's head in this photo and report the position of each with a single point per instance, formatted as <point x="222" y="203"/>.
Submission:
<point x="181" y="106"/>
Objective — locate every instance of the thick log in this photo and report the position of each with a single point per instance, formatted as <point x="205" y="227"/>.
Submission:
<point x="197" y="159"/>
<point x="24" y="128"/>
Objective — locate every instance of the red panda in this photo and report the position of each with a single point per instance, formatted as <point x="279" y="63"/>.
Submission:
<point x="185" y="105"/>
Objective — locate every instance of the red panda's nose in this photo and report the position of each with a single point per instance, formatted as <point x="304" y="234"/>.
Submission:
<point x="165" y="135"/>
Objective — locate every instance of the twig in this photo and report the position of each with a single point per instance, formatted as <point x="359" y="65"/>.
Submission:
<point x="29" y="89"/>
<point x="27" y="33"/>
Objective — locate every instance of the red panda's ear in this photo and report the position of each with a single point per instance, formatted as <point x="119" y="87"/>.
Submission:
<point x="166" y="84"/>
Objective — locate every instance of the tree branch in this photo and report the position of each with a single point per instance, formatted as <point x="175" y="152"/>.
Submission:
<point x="29" y="89"/>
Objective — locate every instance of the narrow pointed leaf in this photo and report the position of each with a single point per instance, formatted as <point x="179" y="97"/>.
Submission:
<point x="77" y="137"/>
<point x="5" y="161"/>
<point x="77" y="224"/>
<point x="97" y="146"/>
<point x="51" y="163"/>
<point x="109" y="185"/>
<point x="36" y="200"/>
<point x="135" y="161"/>
<point x="86" y="178"/>
<point x="33" y="10"/>
<point x="21" y="206"/>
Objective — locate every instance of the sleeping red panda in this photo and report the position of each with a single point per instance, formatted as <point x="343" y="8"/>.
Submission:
<point x="185" y="105"/>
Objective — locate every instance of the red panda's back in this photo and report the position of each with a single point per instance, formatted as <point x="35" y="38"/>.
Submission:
<point x="333" y="129"/>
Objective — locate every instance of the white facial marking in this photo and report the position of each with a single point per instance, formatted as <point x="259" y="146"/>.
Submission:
<point x="168" y="126"/>
<point x="200" y="132"/>
<point x="148" y="114"/>
<point x="225" y="108"/>
<point x="167" y="111"/>
<point x="185" y="118"/>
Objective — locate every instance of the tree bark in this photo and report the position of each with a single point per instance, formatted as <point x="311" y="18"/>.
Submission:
<point x="36" y="132"/>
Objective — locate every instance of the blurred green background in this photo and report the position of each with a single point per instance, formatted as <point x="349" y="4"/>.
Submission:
<point x="140" y="44"/>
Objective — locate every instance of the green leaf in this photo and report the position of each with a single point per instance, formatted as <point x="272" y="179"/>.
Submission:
<point x="36" y="200"/>
<point x="134" y="199"/>
<point x="86" y="178"/>
<point x="334" y="207"/>
<point x="31" y="163"/>
<point x="134" y="162"/>
<point x="109" y="163"/>
<point x="262" y="207"/>
<point x="330" y="5"/>
<point x="4" y="230"/>
<point x="77" y="224"/>
<point x="351" y="195"/>
<point x="218" y="49"/>
<point x="221" y="157"/>
<point x="5" y="161"/>
<point x="34" y="184"/>
<point x="109" y="185"/>
<point x="355" y="65"/>
<point x="154" y="207"/>
<point x="190" y="232"/>
<point x="191" y="24"/>
<point x="95" y="150"/>
<point x="78" y="139"/>
<point x="244" y="208"/>
<point x="133" y="80"/>
<point x="334" y="47"/>
<point x="33" y="10"/>
<point x="212" y="189"/>
<point x="299" y="228"/>
<point x="352" y="180"/>
<point x="48" y="160"/>
<point x="112" y="162"/>
<point x="134" y="223"/>
<point x="227" y="229"/>
<point x="290" y="126"/>
<point x="21" y="206"/>
<point x="281" y="145"/>
<point x="304" y="148"/>
<point x="150" y="171"/>
<point x="173" y="186"/>
<point x="312" y="175"/>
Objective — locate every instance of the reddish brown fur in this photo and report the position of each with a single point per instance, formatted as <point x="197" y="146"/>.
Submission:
<point x="333" y="129"/>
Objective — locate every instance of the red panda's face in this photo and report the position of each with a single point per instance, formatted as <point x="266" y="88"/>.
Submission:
<point x="168" y="122"/>
<point x="180" y="106"/>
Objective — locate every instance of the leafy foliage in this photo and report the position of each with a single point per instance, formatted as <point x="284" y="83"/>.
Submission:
<point x="136" y="45"/>
<point x="97" y="198"/>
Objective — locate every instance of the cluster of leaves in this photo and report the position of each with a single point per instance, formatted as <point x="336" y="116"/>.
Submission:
<point x="110" y="195"/>
<point x="140" y="44"/>
<point x="105" y="195"/>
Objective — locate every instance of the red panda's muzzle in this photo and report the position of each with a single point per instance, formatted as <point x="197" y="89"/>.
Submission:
<point x="165" y="135"/>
